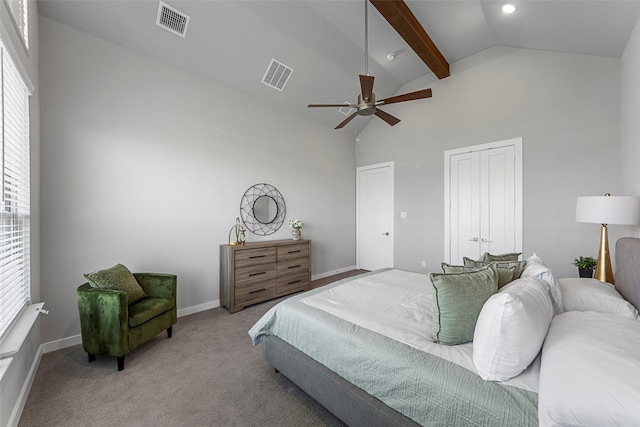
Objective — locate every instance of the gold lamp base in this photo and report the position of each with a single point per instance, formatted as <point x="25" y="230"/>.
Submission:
<point x="604" y="273"/>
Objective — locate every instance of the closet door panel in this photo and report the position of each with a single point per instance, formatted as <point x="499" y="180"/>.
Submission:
<point x="497" y="196"/>
<point x="465" y="207"/>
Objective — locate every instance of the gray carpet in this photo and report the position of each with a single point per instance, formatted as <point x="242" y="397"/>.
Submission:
<point x="207" y="374"/>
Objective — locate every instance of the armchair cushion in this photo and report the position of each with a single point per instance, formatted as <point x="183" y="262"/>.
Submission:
<point x="146" y="309"/>
<point x="120" y="278"/>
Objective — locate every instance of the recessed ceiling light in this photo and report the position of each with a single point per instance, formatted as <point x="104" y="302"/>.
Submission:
<point x="508" y="8"/>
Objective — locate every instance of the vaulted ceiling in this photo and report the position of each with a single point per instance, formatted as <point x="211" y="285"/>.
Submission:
<point x="232" y="42"/>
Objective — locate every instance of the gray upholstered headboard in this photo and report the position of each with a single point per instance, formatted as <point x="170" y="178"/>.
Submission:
<point x="628" y="269"/>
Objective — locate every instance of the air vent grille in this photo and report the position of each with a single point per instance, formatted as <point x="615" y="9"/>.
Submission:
<point x="172" y="20"/>
<point x="346" y="110"/>
<point x="277" y="75"/>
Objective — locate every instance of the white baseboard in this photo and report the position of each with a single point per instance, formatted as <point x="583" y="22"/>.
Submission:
<point x="50" y="346"/>
<point x="198" y="308"/>
<point x="77" y="339"/>
<point x="26" y="388"/>
<point x="333" y="272"/>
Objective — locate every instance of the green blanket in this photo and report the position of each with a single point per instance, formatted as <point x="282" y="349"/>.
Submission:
<point x="429" y="390"/>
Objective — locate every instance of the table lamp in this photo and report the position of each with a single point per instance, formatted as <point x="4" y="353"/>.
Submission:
<point x="607" y="209"/>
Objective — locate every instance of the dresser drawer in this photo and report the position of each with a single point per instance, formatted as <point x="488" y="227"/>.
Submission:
<point x="255" y="256"/>
<point x="293" y="251"/>
<point x="254" y="292"/>
<point x="293" y="283"/>
<point x="255" y="273"/>
<point x="293" y="266"/>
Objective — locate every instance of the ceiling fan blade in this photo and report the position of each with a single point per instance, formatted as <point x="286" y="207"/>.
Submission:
<point x="347" y="120"/>
<point x="366" y="86"/>
<point x="331" y="105"/>
<point x="392" y="121"/>
<point x="411" y="96"/>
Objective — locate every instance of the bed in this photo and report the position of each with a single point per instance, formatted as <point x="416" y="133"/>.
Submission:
<point x="371" y="360"/>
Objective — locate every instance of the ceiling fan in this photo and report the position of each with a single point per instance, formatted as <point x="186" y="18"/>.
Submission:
<point x="367" y="104"/>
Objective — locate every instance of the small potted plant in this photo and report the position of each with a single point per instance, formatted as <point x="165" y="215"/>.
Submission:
<point x="585" y="265"/>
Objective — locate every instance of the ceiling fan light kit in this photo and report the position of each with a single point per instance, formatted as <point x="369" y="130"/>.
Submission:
<point x="367" y="104"/>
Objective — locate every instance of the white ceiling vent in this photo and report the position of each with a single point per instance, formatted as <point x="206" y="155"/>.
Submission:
<point x="277" y="75"/>
<point x="172" y="20"/>
<point x="346" y="110"/>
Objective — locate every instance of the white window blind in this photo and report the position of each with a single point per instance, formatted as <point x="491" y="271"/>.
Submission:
<point x="14" y="207"/>
<point x="18" y="9"/>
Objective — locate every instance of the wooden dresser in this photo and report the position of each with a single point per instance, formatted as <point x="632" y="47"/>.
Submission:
<point x="259" y="271"/>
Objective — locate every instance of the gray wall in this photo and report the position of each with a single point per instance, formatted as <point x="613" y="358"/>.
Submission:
<point x="565" y="107"/>
<point x="145" y="164"/>
<point x="630" y="120"/>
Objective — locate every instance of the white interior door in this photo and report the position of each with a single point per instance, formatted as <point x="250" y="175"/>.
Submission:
<point x="498" y="200"/>
<point x="465" y="206"/>
<point x="374" y="211"/>
<point x="483" y="200"/>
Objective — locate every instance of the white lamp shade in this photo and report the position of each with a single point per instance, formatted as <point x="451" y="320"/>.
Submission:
<point x="608" y="210"/>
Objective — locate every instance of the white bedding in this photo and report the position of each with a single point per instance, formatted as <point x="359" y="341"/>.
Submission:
<point x="398" y="304"/>
<point x="590" y="372"/>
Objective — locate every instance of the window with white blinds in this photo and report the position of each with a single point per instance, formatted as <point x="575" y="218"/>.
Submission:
<point x="15" y="280"/>
<point x="18" y="9"/>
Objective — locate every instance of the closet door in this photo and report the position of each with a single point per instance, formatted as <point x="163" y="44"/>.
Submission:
<point x="483" y="200"/>
<point x="497" y="200"/>
<point x="464" y="206"/>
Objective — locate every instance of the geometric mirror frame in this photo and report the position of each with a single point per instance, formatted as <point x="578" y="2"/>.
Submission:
<point x="262" y="209"/>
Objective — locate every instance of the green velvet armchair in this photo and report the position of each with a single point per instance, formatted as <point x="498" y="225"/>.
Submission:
<point x="112" y="327"/>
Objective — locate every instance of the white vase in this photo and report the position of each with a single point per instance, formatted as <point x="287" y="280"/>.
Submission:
<point x="295" y="234"/>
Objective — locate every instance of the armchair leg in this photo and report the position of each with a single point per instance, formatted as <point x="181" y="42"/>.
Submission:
<point x="92" y="357"/>
<point x="120" y="363"/>
<point x="169" y="331"/>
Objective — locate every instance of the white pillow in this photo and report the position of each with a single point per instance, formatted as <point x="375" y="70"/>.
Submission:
<point x="590" y="369"/>
<point x="582" y="294"/>
<point x="511" y="328"/>
<point x="537" y="269"/>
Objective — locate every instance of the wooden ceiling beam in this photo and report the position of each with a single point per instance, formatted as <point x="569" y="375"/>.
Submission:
<point x="398" y="14"/>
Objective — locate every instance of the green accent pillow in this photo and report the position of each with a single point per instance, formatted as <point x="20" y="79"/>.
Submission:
<point x="457" y="301"/>
<point x="487" y="257"/>
<point x="505" y="273"/>
<point x="117" y="278"/>
<point x="448" y="268"/>
<point x="519" y="265"/>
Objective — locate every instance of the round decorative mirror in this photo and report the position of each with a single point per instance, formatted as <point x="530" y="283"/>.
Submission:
<point x="262" y="209"/>
<point x="265" y="209"/>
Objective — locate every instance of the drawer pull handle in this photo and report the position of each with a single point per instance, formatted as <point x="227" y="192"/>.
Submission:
<point x="294" y="252"/>
<point x="295" y="281"/>
<point x="259" y="290"/>
<point x="257" y="256"/>
<point x="294" y="266"/>
<point x="257" y="274"/>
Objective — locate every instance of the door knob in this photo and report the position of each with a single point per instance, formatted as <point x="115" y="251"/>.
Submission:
<point x="385" y="233"/>
<point x="475" y="239"/>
